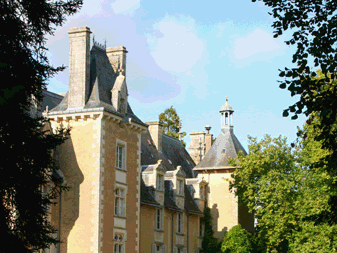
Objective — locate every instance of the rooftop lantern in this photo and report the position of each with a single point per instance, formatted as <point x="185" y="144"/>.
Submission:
<point x="226" y="115"/>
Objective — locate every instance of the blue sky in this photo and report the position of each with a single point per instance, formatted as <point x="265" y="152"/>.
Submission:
<point x="192" y="54"/>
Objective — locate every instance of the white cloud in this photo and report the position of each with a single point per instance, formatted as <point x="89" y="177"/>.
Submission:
<point x="259" y="41"/>
<point x="125" y="6"/>
<point x="174" y="44"/>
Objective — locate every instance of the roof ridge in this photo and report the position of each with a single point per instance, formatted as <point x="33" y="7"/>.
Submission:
<point x="175" y="139"/>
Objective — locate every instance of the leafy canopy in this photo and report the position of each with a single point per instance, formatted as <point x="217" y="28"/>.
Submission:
<point x="171" y="123"/>
<point x="313" y="23"/>
<point x="288" y="195"/>
<point x="26" y="148"/>
<point x="237" y="240"/>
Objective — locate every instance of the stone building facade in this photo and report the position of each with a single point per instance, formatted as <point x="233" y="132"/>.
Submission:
<point x="132" y="188"/>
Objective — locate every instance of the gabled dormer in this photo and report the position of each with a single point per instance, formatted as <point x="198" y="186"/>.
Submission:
<point x="119" y="94"/>
<point x="177" y="178"/>
<point x="198" y="188"/>
<point x="153" y="176"/>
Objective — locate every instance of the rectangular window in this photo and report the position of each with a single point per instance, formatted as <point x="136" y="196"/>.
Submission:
<point x="180" y="222"/>
<point x="180" y="186"/>
<point x="119" y="202"/>
<point x="160" y="182"/>
<point x="120" y="154"/>
<point x="201" y="227"/>
<point x="159" y="219"/>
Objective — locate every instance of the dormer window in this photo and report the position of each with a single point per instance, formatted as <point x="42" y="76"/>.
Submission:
<point x="180" y="187"/>
<point x="160" y="182"/>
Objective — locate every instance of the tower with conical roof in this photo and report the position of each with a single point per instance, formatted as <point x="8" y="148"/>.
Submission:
<point x="227" y="210"/>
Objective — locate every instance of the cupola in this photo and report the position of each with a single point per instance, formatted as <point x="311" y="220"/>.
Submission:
<point x="226" y="115"/>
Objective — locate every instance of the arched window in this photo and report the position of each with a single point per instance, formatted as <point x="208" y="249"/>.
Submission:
<point x="118" y="244"/>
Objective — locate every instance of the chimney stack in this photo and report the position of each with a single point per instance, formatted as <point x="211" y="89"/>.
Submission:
<point x="197" y="146"/>
<point x="79" y="66"/>
<point x="156" y="131"/>
<point x="209" y="138"/>
<point x="117" y="58"/>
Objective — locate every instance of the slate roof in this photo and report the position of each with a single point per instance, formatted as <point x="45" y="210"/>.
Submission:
<point x="102" y="79"/>
<point x="190" y="205"/>
<point x="173" y="151"/>
<point x="168" y="199"/>
<point x="225" y="146"/>
<point x="51" y="99"/>
<point x="146" y="197"/>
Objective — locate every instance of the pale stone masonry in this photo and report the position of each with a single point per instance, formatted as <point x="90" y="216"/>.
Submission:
<point x="79" y="66"/>
<point x="132" y="188"/>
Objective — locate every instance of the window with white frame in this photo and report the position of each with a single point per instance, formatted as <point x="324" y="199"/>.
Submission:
<point x="180" y="222"/>
<point x="160" y="182"/>
<point x="159" y="219"/>
<point x="118" y="244"/>
<point x="180" y="187"/>
<point x="120" y="202"/>
<point x="120" y="156"/>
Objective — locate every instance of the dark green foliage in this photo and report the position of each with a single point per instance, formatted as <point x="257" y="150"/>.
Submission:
<point x="237" y="240"/>
<point x="171" y="122"/>
<point x="209" y="243"/>
<point x="26" y="150"/>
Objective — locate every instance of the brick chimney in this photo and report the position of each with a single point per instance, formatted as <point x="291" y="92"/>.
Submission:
<point x="79" y="66"/>
<point x="117" y="58"/>
<point x="156" y="131"/>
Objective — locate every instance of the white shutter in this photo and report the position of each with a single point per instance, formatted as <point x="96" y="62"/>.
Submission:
<point x="175" y="250"/>
<point x="153" y="248"/>
<point x="185" y="250"/>
<point x="163" y="249"/>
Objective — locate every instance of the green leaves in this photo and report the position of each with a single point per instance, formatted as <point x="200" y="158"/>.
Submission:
<point x="288" y="195"/>
<point x="171" y="122"/>
<point x="237" y="240"/>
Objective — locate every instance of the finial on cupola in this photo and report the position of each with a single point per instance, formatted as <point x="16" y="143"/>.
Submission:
<point x="226" y="115"/>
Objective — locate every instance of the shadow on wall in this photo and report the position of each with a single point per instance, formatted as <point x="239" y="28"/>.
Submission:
<point x="67" y="163"/>
<point x="215" y="217"/>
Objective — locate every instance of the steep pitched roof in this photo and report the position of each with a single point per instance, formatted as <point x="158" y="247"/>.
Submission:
<point x="175" y="152"/>
<point x="50" y="99"/>
<point x="146" y="198"/>
<point x="190" y="205"/>
<point x="225" y="146"/>
<point x="102" y="80"/>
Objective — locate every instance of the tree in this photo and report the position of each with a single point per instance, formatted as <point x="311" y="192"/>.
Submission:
<point x="171" y="123"/>
<point x="287" y="195"/>
<point x="314" y="32"/>
<point x="237" y="240"/>
<point x="209" y="242"/>
<point x="27" y="162"/>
